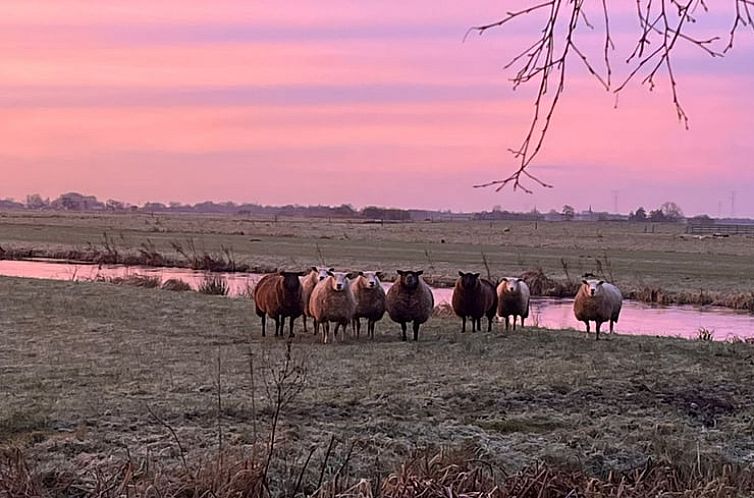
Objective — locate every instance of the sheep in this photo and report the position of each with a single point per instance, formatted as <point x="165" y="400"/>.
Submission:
<point x="333" y="301"/>
<point x="473" y="298"/>
<point x="308" y="282"/>
<point x="370" y="300"/>
<point x="599" y="302"/>
<point x="278" y="295"/>
<point x="513" y="300"/>
<point x="409" y="299"/>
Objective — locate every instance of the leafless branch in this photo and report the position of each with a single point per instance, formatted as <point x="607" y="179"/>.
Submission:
<point x="662" y="25"/>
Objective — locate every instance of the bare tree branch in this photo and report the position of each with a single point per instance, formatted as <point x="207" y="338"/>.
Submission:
<point x="662" y="25"/>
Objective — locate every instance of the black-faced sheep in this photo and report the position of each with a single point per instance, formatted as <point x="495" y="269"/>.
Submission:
<point x="278" y="295"/>
<point x="597" y="301"/>
<point x="315" y="275"/>
<point x="370" y="300"/>
<point x="513" y="300"/>
<point x="333" y="301"/>
<point x="410" y="299"/>
<point x="473" y="298"/>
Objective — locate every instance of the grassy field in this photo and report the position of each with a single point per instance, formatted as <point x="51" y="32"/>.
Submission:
<point x="637" y="256"/>
<point x="82" y="365"/>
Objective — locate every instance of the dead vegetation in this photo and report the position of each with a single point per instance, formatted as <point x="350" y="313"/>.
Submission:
<point x="433" y="474"/>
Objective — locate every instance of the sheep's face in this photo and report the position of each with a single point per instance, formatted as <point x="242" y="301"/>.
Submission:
<point x="338" y="280"/>
<point x="410" y="279"/>
<point x="593" y="287"/>
<point x="469" y="280"/>
<point x="513" y="284"/>
<point x="321" y="272"/>
<point x="372" y="279"/>
<point x="291" y="279"/>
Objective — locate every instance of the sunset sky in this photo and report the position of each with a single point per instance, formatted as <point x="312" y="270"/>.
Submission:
<point x="367" y="103"/>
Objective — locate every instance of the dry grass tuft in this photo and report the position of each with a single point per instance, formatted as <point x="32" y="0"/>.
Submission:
<point x="214" y="285"/>
<point x="176" y="284"/>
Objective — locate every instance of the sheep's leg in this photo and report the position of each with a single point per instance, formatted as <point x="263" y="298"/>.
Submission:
<point x="264" y="323"/>
<point x="416" y="330"/>
<point x="325" y="332"/>
<point x="371" y="329"/>
<point x="316" y="326"/>
<point x="597" y="329"/>
<point x="489" y="324"/>
<point x="463" y="326"/>
<point x="403" y="329"/>
<point x="612" y="330"/>
<point x="522" y="322"/>
<point x="474" y="324"/>
<point x="305" y="323"/>
<point x="277" y="325"/>
<point x="357" y="323"/>
<point x="514" y="322"/>
<point x="507" y="324"/>
<point x="290" y="329"/>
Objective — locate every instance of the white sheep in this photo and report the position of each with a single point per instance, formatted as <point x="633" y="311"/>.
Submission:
<point x="597" y="301"/>
<point x="333" y="301"/>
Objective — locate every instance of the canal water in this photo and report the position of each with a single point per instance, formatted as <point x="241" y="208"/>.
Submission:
<point x="636" y="318"/>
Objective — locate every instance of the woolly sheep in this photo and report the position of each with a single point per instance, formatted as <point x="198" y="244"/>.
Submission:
<point x="513" y="300"/>
<point x="370" y="300"/>
<point x="308" y="282"/>
<point x="278" y="295"/>
<point x="333" y="301"/>
<point x="410" y="299"/>
<point x="597" y="301"/>
<point x="473" y="298"/>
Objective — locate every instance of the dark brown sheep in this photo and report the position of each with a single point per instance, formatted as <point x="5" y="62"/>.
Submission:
<point x="597" y="301"/>
<point x="370" y="300"/>
<point x="409" y="299"/>
<point x="279" y="296"/>
<point x="473" y="298"/>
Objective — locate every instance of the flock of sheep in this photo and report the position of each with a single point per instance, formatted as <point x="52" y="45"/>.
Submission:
<point x="342" y="299"/>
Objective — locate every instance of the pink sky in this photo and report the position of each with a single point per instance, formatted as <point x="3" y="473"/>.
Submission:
<point x="344" y="102"/>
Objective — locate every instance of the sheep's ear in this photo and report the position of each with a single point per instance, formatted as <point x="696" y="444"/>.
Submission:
<point x="350" y="275"/>
<point x="600" y="282"/>
<point x="331" y="269"/>
<point x="460" y="273"/>
<point x="584" y="282"/>
<point x="476" y="275"/>
<point x="313" y="268"/>
<point x="401" y="273"/>
<point x="504" y="279"/>
<point x="301" y="273"/>
<point x="519" y="280"/>
<point x="361" y="273"/>
<point x="281" y="273"/>
<point x="329" y="272"/>
<point x="420" y="272"/>
<point x="379" y="274"/>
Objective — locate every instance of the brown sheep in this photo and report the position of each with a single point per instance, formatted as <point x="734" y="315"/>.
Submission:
<point x="333" y="301"/>
<point x="597" y="301"/>
<point x="513" y="300"/>
<point x="473" y="298"/>
<point x="315" y="275"/>
<point x="278" y="295"/>
<point x="410" y="299"/>
<point x="370" y="301"/>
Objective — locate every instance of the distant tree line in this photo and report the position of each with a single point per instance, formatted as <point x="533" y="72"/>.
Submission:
<point x="668" y="212"/>
<point x="74" y="201"/>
